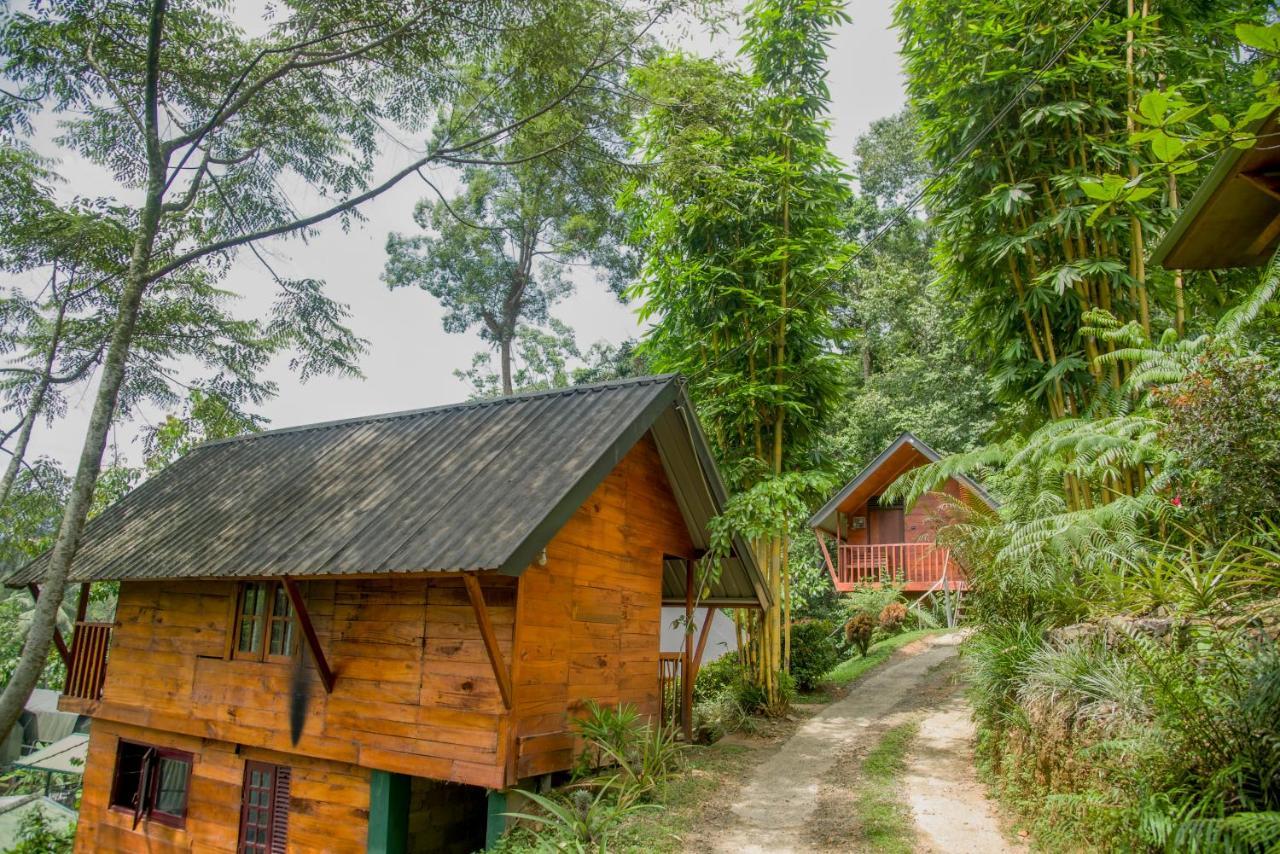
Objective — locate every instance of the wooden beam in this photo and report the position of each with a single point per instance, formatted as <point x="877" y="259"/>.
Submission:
<point x="1264" y="238"/>
<point x="309" y="632"/>
<point x="500" y="672"/>
<point x="826" y="554"/>
<point x="1266" y="181"/>
<point x="686" y="670"/>
<point x="82" y="606"/>
<point x="702" y="643"/>
<point x="63" y="652"/>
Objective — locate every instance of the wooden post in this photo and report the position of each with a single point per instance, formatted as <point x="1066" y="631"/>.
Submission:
<point x="827" y="555"/>
<point x="495" y="823"/>
<point x="702" y="642"/>
<point x="63" y="652"/>
<point x="309" y="632"/>
<point x="500" y="672"/>
<point x="388" y="813"/>
<point x="686" y="674"/>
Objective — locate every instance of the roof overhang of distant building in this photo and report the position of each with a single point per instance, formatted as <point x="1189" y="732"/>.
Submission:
<point x="905" y="453"/>
<point x="1233" y="220"/>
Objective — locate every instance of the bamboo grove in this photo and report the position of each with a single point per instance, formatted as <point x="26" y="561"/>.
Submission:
<point x="1043" y="230"/>
<point x="740" y="222"/>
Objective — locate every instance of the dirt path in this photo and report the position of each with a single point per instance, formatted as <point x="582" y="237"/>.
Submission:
<point x="951" y="810"/>
<point x="800" y="799"/>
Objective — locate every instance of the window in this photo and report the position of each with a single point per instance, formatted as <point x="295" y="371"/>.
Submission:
<point x="264" y="809"/>
<point x="264" y="622"/>
<point x="151" y="782"/>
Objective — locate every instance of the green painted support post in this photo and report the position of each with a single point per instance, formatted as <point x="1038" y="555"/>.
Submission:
<point x="495" y="821"/>
<point x="388" y="813"/>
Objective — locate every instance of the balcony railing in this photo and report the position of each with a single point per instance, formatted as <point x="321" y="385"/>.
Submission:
<point x="917" y="565"/>
<point x="87" y="669"/>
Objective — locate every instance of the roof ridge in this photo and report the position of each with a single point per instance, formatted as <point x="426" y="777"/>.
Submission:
<point x="518" y="397"/>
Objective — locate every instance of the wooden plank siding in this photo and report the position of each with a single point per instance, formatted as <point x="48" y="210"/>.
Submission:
<point x="590" y="618"/>
<point x="329" y="801"/>
<point x="415" y="691"/>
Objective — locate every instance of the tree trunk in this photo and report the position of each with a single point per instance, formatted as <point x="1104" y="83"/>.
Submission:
<point x="33" y="407"/>
<point x="504" y="357"/>
<point x="44" y="619"/>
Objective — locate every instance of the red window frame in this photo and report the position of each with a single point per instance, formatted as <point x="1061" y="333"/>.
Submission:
<point x="143" y="799"/>
<point x="263" y="621"/>
<point x="273" y="829"/>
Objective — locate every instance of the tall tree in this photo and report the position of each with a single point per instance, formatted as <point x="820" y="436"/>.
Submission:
<point x="1022" y="239"/>
<point x="741" y="228"/>
<point x="912" y="371"/>
<point x="496" y="254"/>
<point x="202" y="124"/>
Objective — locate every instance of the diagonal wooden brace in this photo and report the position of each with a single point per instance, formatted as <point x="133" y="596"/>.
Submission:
<point x="309" y="632"/>
<point x="500" y="671"/>
<point x="63" y="652"/>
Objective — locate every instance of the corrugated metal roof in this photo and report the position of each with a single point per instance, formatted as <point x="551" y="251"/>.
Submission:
<point x="482" y="485"/>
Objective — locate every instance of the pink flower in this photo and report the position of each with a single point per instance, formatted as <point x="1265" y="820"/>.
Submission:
<point x="1177" y="501"/>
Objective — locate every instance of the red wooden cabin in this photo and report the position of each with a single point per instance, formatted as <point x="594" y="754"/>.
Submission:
<point x="875" y="540"/>
<point x="358" y="635"/>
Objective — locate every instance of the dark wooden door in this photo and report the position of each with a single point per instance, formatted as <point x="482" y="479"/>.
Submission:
<point x="888" y="525"/>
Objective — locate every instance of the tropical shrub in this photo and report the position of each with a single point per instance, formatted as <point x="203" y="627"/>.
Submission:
<point x="892" y="617"/>
<point x="813" y="652"/>
<point x="38" y="835"/>
<point x="1221" y="423"/>
<point x="716" y="678"/>
<point x="858" y="631"/>
<point x="580" y="820"/>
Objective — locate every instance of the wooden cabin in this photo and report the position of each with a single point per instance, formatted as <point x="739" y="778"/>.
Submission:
<point x="876" y="540"/>
<point x="358" y="635"/>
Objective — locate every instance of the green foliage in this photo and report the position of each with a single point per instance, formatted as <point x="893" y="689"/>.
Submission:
<point x="1052" y="213"/>
<point x="38" y="835"/>
<point x="605" y="729"/>
<point x="1221" y="425"/>
<point x="813" y="652"/>
<point x="718" y="699"/>
<point x="644" y="753"/>
<point x="579" y="820"/>
<point x="496" y="255"/>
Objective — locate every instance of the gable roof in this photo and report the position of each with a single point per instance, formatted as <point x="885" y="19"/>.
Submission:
<point x="901" y="452"/>
<point x="1233" y="220"/>
<point x="475" y="486"/>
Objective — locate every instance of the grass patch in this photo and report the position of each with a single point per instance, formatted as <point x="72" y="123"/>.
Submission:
<point x="848" y="671"/>
<point x="884" y="820"/>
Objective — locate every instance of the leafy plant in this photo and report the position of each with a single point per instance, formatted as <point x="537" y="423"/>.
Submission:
<point x="38" y="835"/>
<point x="813" y="652"/>
<point x="892" y="617"/>
<point x="582" y="821"/>
<point x="607" y="731"/>
<point x="858" y="631"/>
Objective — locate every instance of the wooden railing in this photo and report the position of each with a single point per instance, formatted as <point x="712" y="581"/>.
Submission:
<point x="88" y="667"/>
<point x="670" y="667"/>
<point x="913" y="564"/>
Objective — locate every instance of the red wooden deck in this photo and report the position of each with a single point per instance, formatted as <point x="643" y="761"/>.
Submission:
<point x="919" y="567"/>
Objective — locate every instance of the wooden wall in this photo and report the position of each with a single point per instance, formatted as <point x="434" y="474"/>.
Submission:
<point x="919" y="525"/>
<point x="329" y="801"/>
<point x="589" y="619"/>
<point x="415" y="693"/>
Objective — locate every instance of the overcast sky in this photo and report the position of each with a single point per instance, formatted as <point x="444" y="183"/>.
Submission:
<point x="411" y="360"/>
